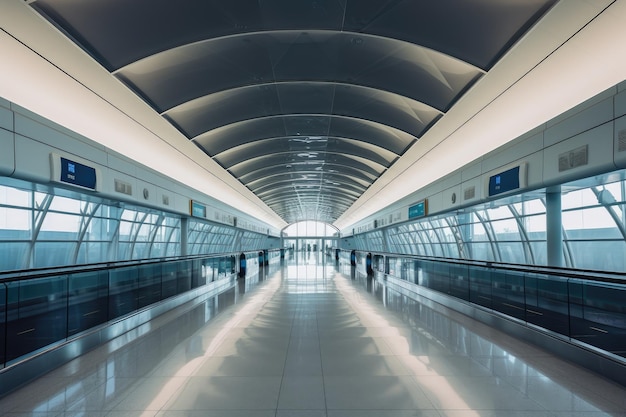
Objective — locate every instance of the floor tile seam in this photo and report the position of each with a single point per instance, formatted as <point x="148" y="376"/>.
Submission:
<point x="367" y="297"/>
<point x="606" y="396"/>
<point x="526" y="394"/>
<point x="188" y="379"/>
<point x="516" y="389"/>
<point x="161" y="321"/>
<point x="68" y="406"/>
<point x="320" y="352"/>
<point x="283" y="376"/>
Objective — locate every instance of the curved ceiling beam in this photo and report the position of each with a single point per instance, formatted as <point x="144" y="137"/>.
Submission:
<point x="260" y="151"/>
<point x="288" y="159"/>
<point x="302" y="97"/>
<point x="295" y="214"/>
<point x="178" y="75"/>
<point x="303" y="125"/>
<point x="327" y="178"/>
<point x="469" y="33"/>
<point x="338" y="200"/>
<point x="350" y="186"/>
<point x="267" y="194"/>
<point x="310" y="203"/>
<point x="303" y="168"/>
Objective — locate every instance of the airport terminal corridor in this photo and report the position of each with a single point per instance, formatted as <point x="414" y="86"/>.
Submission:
<point x="313" y="338"/>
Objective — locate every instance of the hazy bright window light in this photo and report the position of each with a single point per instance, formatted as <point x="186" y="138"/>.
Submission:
<point x="310" y="229"/>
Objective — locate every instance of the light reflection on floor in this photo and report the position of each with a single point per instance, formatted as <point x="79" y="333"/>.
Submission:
<point x="312" y="339"/>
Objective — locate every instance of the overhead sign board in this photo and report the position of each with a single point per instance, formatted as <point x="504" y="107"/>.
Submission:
<point x="197" y="210"/>
<point x="69" y="171"/>
<point x="509" y="180"/>
<point x="418" y="210"/>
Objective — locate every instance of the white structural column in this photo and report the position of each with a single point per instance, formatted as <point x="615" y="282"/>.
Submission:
<point x="554" y="226"/>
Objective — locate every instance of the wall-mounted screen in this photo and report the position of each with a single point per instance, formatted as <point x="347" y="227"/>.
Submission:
<point x="418" y="210"/>
<point x="78" y="174"/>
<point x="197" y="210"/>
<point x="505" y="181"/>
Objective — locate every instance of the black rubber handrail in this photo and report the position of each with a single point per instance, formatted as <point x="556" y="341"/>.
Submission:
<point x="12" y="276"/>
<point x="561" y="272"/>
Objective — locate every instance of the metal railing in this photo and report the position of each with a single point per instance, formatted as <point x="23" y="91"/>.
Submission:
<point x="44" y="307"/>
<point x="588" y="307"/>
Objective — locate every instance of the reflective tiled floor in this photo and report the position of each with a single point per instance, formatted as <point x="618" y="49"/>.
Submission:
<point x="312" y="340"/>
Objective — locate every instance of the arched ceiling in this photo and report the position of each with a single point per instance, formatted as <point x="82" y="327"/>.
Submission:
<point x="305" y="102"/>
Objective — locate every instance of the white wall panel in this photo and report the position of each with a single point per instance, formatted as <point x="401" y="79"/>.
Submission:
<point x="475" y="186"/>
<point x="51" y="137"/>
<point x="32" y="159"/>
<point x="147" y="193"/>
<point x="7" y="155"/>
<point x="535" y="170"/>
<point x="584" y="120"/>
<point x="599" y="142"/>
<point x="516" y="152"/>
<point x="435" y="203"/>
<point x="451" y="198"/>
<point x="6" y="118"/>
<point x="582" y="107"/>
<point x="121" y="165"/>
<point x="448" y="182"/>
<point x="166" y="199"/>
<point x="619" y="136"/>
<point x="181" y="203"/>
<point x="620" y="104"/>
<point x="399" y="216"/>
<point x="109" y="185"/>
<point x="472" y="171"/>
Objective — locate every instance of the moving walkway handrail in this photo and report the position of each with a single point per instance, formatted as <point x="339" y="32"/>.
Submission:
<point x="24" y="274"/>
<point x="561" y="272"/>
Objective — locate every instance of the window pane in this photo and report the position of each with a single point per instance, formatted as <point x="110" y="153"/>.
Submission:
<point x="13" y="256"/>
<point x="596" y="220"/>
<point x="53" y="254"/>
<point x="66" y="226"/>
<point x="92" y="252"/>
<point x="601" y="255"/>
<point x="512" y="252"/>
<point x="14" y="197"/>
<point x="578" y="198"/>
<point x="15" y="220"/>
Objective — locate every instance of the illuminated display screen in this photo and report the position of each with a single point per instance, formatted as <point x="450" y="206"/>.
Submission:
<point x="504" y="181"/>
<point x="418" y="210"/>
<point x="78" y="174"/>
<point x="198" y="210"/>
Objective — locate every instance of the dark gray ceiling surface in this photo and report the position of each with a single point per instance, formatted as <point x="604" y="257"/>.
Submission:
<point x="306" y="102"/>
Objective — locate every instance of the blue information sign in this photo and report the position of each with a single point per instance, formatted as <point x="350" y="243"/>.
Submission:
<point x="198" y="210"/>
<point x="504" y="181"/>
<point x="78" y="174"/>
<point x="418" y="210"/>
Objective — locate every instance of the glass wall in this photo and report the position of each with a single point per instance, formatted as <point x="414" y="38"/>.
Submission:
<point x="593" y="226"/>
<point x="310" y="228"/>
<point x="210" y="238"/>
<point x="513" y="229"/>
<point x="310" y="236"/>
<point x="46" y="227"/>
